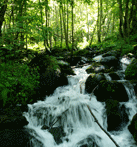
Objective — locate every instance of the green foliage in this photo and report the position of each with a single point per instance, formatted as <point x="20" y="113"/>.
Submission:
<point x="131" y="71"/>
<point x="53" y="63"/>
<point x="17" y="82"/>
<point x="109" y="86"/>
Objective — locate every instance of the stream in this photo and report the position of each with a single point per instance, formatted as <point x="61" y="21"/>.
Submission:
<point x="69" y="104"/>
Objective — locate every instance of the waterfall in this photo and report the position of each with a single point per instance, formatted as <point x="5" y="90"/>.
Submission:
<point x="67" y="108"/>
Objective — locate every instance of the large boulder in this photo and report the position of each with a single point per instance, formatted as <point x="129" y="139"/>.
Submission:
<point x="115" y="113"/>
<point x="14" y="138"/>
<point x="52" y="74"/>
<point x="57" y="132"/>
<point x="73" y="61"/>
<point x="65" y="68"/>
<point x="12" y="131"/>
<point x="95" y="67"/>
<point x="133" y="127"/>
<point x="115" y="53"/>
<point x="111" y="90"/>
<point x="110" y="62"/>
<point x="92" y="81"/>
<point x="131" y="71"/>
<point x="12" y="122"/>
<point x="90" y="141"/>
<point x="114" y="76"/>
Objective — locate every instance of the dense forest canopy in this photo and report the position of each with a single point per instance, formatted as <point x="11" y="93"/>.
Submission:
<point x="65" y="23"/>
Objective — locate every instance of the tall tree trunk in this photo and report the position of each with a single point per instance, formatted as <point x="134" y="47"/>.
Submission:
<point x="93" y="34"/>
<point x="72" y="6"/>
<point x="100" y="21"/>
<point x="61" y="26"/>
<point x="43" y="34"/>
<point x="120" y="18"/>
<point x="64" y="25"/>
<point x="134" y="17"/>
<point x="67" y="23"/>
<point x="87" y="24"/>
<point x="126" y="21"/>
<point x="98" y="24"/>
<point x="46" y="14"/>
<point x="3" y="7"/>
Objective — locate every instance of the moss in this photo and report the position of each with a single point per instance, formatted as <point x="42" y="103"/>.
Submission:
<point x="93" y="68"/>
<point x="92" y="81"/>
<point x="131" y="71"/>
<point x="108" y="70"/>
<point x="110" y="86"/>
<point x="16" y="82"/>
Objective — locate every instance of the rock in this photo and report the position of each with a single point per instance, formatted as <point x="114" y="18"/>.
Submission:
<point x="115" y="53"/>
<point x="95" y="68"/>
<point x="131" y="71"/>
<point x="58" y="133"/>
<point x="52" y="73"/>
<point x="133" y="127"/>
<point x="111" y="90"/>
<point x="65" y="68"/>
<point x="90" y="141"/>
<point x="110" y="61"/>
<point x="83" y="61"/>
<point x="115" y="113"/>
<point x="14" y="138"/>
<point x="12" y="122"/>
<point x="114" y="76"/>
<point x="44" y="127"/>
<point x="50" y="80"/>
<point x="92" y="81"/>
<point x="74" y="60"/>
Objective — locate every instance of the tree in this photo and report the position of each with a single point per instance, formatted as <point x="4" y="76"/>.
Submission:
<point x="3" y="7"/>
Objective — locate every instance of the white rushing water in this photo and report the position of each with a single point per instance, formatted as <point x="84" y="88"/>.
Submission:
<point x="76" y="117"/>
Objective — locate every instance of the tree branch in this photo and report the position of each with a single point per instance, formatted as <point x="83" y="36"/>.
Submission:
<point x="102" y="127"/>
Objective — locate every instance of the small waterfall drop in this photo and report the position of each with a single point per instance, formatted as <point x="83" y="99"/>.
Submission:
<point x="67" y="108"/>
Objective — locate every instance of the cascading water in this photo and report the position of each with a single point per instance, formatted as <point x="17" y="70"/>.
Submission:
<point x="67" y="107"/>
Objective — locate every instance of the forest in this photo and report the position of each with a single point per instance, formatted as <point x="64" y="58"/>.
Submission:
<point x="57" y="29"/>
<point x="42" y="41"/>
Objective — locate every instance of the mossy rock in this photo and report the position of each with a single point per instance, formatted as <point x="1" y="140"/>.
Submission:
<point x="111" y="90"/>
<point x="95" y="67"/>
<point x="65" y="68"/>
<point x="133" y="127"/>
<point x="92" y="81"/>
<point x="114" y="76"/>
<point x="115" y="53"/>
<point x="115" y="113"/>
<point x="131" y="71"/>
<point x="110" y="61"/>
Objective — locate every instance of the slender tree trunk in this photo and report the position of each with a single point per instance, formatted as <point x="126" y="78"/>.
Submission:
<point x="61" y="26"/>
<point x="126" y="21"/>
<point x="113" y="23"/>
<point x="134" y="17"/>
<point x="43" y="31"/>
<point x="98" y="24"/>
<point x="64" y="25"/>
<point x="46" y="32"/>
<point x="72" y="4"/>
<point x="93" y="34"/>
<point x="100" y="21"/>
<point x="67" y="24"/>
<point x="120" y="18"/>
<point x="3" y="8"/>
<point x="87" y="24"/>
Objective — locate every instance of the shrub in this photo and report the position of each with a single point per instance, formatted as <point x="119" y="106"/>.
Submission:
<point x="17" y="81"/>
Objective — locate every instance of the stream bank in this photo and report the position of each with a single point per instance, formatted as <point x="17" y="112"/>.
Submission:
<point x="78" y="64"/>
